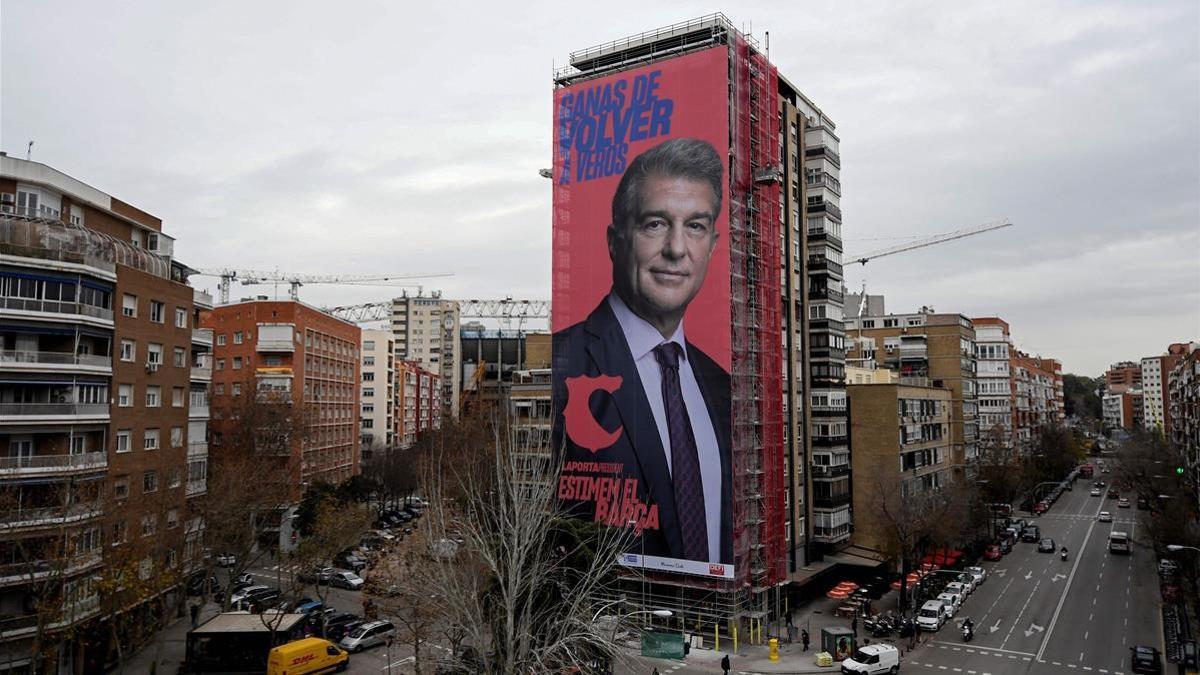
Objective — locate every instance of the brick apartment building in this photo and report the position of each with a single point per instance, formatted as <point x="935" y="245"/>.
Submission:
<point x="419" y="401"/>
<point x="1183" y="387"/>
<point x="1123" y="376"/>
<point x="901" y="439"/>
<point x="101" y="409"/>
<point x="928" y="350"/>
<point x="292" y="352"/>
<point x="1040" y="399"/>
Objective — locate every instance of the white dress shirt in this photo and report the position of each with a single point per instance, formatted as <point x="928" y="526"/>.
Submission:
<point x="642" y="338"/>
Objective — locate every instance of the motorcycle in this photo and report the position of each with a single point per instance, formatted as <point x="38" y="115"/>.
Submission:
<point x="967" y="633"/>
<point x="1064" y="554"/>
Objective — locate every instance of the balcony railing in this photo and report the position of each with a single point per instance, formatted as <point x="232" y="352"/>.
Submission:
<point x="830" y="501"/>
<point x="48" y="515"/>
<point x="198" y="411"/>
<point x="202" y="336"/>
<point x="49" y="464"/>
<point x="53" y="410"/>
<point x="196" y="487"/>
<point x="275" y="346"/>
<point x="197" y="448"/>
<point x="202" y="372"/>
<point x="24" y="572"/>
<point x="830" y="471"/>
<point x="54" y="307"/>
<point x="20" y="356"/>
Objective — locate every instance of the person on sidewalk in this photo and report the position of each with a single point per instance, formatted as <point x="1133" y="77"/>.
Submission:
<point x="804" y="639"/>
<point x="725" y="665"/>
<point x="854" y="625"/>
<point x="195" y="610"/>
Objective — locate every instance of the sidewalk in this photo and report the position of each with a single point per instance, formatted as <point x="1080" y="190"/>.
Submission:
<point x="813" y="616"/>
<point x="169" y="645"/>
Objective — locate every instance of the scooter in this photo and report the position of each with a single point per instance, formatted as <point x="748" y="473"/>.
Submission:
<point x="967" y="633"/>
<point x="1063" y="555"/>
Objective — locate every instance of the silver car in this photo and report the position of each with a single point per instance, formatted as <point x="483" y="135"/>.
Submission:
<point x="368" y="635"/>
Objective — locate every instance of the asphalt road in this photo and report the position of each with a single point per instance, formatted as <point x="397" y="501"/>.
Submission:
<point x="1038" y="614"/>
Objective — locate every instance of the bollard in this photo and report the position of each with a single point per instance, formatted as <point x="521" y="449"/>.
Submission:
<point x="774" y="654"/>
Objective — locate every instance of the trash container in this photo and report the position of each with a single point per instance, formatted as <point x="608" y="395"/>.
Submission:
<point x="838" y="641"/>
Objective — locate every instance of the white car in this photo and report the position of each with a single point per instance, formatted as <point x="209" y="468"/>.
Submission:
<point x="226" y="560"/>
<point x="956" y="587"/>
<point x="952" y="601"/>
<point x="1095" y="492"/>
<point x="979" y="573"/>
<point x="368" y="635"/>
<point x="1104" y="517"/>
<point x="873" y="660"/>
<point x="968" y="581"/>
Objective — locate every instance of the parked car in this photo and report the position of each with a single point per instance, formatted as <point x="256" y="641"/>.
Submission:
<point x="968" y="582"/>
<point x="1047" y="546"/>
<point x="956" y="587"/>
<point x="1144" y="659"/>
<point x="1005" y="546"/>
<point x="1018" y="524"/>
<point x="316" y="575"/>
<point x="932" y="615"/>
<point x="1031" y="534"/>
<point x="872" y="660"/>
<point x="349" y="561"/>
<point x="202" y="584"/>
<point x="347" y="580"/>
<point x="337" y="624"/>
<point x="992" y="552"/>
<point x="1104" y="517"/>
<point x="1041" y="507"/>
<point x="368" y="635"/>
<point x="226" y="560"/>
<point x="236" y="596"/>
<point x="311" y="608"/>
<point x="952" y="600"/>
<point x="979" y="573"/>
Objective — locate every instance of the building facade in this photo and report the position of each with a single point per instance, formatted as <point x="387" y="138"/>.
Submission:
<point x="1183" y="387"/>
<point x="1123" y="376"/>
<point x="902" y="448"/>
<point x="289" y="352"/>
<point x="96" y="409"/>
<point x="378" y="423"/>
<point x="996" y="381"/>
<point x="929" y="350"/>
<point x="1039" y="397"/>
<point x="426" y="331"/>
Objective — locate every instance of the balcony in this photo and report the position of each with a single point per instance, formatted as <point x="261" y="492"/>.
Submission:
<point x="41" y="465"/>
<point x="57" y="308"/>
<point x="824" y="265"/>
<point x="24" y="573"/>
<point x="198" y="411"/>
<point x="202" y="336"/>
<point x="826" y="441"/>
<point x="53" y="412"/>
<point x="830" y="501"/>
<point x="196" y="487"/>
<point x="197" y="449"/>
<point x="202" y="371"/>
<point x="201" y="298"/>
<point x="19" y="359"/>
<point x="35" y="517"/>
<point x="831" y="535"/>
<point x="830" y="471"/>
<point x="275" y="346"/>
<point x="826" y="294"/>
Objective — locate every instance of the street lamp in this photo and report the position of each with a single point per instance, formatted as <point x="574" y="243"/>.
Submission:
<point x="1176" y="547"/>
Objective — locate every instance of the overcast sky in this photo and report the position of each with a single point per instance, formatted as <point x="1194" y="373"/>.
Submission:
<point x="364" y="137"/>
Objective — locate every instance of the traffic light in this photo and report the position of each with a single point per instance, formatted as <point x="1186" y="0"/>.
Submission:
<point x="1179" y="471"/>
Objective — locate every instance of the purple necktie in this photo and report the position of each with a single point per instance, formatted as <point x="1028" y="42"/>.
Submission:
<point x="685" y="461"/>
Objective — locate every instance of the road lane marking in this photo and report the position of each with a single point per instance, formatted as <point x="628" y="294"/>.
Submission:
<point x="1102" y="670"/>
<point x="1085" y="635"/>
<point x="1087" y="667"/>
<point x="941" y="667"/>
<point x="1080" y="656"/>
<point x="1023" y="608"/>
<point x="1087" y="537"/>
<point x="1070" y="665"/>
<point x="982" y="650"/>
<point x="1056" y="663"/>
<point x="1090" y="615"/>
<point x="958" y="670"/>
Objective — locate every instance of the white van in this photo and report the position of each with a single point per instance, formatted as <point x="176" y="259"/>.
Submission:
<point x="932" y="615"/>
<point x="872" y="660"/>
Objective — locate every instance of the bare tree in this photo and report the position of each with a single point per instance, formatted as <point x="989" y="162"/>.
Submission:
<point x="525" y="585"/>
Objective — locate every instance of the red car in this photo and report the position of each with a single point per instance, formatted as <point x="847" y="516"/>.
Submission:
<point x="1040" y="508"/>
<point x="992" y="552"/>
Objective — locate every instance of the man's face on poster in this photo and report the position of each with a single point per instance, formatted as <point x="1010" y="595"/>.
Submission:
<point x="660" y="257"/>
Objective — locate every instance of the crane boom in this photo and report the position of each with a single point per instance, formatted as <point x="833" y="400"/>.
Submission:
<point x="506" y="308"/>
<point x="295" y="281"/>
<point x="930" y="241"/>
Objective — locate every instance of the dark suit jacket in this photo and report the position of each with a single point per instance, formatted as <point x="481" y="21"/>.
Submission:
<point x="596" y="347"/>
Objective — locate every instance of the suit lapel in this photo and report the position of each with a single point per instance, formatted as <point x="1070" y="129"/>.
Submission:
<point x="718" y="404"/>
<point x="609" y="352"/>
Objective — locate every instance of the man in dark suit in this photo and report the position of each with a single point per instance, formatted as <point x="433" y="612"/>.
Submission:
<point x="642" y="417"/>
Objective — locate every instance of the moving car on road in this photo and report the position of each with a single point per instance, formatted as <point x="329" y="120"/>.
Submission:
<point x="1046" y="546"/>
<point x="1143" y="659"/>
<point x="346" y="579"/>
<point x="1118" y="542"/>
<point x="1096" y="492"/>
<point x="1123" y="503"/>
<point x="1031" y="534"/>
<point x="1104" y="517"/>
<point x="368" y="635"/>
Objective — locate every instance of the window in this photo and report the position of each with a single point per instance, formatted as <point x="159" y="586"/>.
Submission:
<point x="149" y="526"/>
<point x="180" y="358"/>
<point x="368" y="408"/>
<point x="219" y="389"/>
<point x="237" y="363"/>
<point x="220" y="364"/>
<point x="150" y="481"/>
<point x="154" y="354"/>
<point x="368" y="360"/>
<point x="368" y="376"/>
<point x="120" y="533"/>
<point x="172" y="519"/>
<point x="237" y="338"/>
<point x="173" y="478"/>
<point x="368" y="344"/>
<point x="157" y="311"/>
<point x="221" y="340"/>
<point x="121" y="487"/>
<point x="128" y="350"/>
<point x="150" y="440"/>
<point x="368" y="392"/>
<point x="123" y="436"/>
<point x="180" y="317"/>
<point x="124" y="395"/>
<point x="153" y="396"/>
<point x="129" y="305"/>
<point x="176" y="437"/>
<point x="177" y="397"/>
<point x="237" y="388"/>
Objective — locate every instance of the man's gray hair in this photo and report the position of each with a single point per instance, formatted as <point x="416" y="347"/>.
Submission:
<point x="689" y="158"/>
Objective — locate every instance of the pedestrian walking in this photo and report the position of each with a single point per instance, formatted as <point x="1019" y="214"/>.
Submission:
<point x="725" y="665"/>
<point x="854" y="624"/>
<point x="195" y="610"/>
<point x="655" y="671"/>
<point x="804" y="639"/>
<point x="918" y="633"/>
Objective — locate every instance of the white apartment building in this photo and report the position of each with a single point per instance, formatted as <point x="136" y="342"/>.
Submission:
<point x="1153" y="403"/>
<point x="426" y="331"/>
<point x="377" y="414"/>
<point x="994" y="384"/>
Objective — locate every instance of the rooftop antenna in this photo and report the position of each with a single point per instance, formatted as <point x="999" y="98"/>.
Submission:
<point x="29" y="151"/>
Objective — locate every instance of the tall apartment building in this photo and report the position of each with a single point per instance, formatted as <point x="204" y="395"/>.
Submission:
<point x="426" y="331"/>
<point x="812" y="455"/>
<point x="1039" y="396"/>
<point x="1117" y="409"/>
<point x="902" y="448"/>
<point x="96" y="410"/>
<point x="1156" y="371"/>
<point x="378" y="423"/>
<point x="286" y="351"/>
<point x="927" y="349"/>
<point x="1183" y="387"/>
<point x="1123" y="376"/>
<point x="995" y="380"/>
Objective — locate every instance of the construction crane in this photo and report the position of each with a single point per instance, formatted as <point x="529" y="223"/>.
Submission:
<point x="930" y="241"/>
<point x="919" y="243"/>
<point x="295" y="281"/>
<point x="507" y="308"/>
